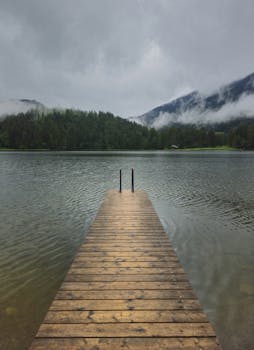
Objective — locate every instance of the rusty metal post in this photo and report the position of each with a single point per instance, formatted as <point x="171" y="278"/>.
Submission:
<point x="120" y="179"/>
<point x="132" y="180"/>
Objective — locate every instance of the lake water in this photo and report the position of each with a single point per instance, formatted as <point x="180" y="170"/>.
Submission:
<point x="205" y="201"/>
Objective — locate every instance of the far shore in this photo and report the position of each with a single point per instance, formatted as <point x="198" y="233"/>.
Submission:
<point x="218" y="148"/>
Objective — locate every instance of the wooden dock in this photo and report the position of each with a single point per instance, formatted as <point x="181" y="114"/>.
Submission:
<point x="125" y="288"/>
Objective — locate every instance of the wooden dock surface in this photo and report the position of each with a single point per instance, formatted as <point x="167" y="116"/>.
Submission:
<point x="125" y="288"/>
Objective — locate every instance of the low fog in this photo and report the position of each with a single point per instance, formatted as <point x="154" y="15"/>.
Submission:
<point x="244" y="107"/>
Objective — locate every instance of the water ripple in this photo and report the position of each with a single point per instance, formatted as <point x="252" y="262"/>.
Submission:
<point x="205" y="202"/>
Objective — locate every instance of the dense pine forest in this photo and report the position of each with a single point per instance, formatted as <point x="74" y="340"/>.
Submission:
<point x="76" y="130"/>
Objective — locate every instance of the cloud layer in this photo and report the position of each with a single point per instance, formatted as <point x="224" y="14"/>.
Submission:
<point x="122" y="56"/>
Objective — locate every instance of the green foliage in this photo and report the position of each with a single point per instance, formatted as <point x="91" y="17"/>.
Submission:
<point x="77" y="130"/>
<point x="242" y="136"/>
<point x="70" y="130"/>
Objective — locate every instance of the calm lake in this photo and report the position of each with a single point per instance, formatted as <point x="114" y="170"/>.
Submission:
<point x="205" y="201"/>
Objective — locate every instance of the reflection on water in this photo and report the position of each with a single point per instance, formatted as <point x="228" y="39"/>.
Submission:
<point x="205" y="202"/>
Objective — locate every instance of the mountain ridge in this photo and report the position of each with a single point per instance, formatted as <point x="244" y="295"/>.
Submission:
<point x="231" y="101"/>
<point x="16" y="106"/>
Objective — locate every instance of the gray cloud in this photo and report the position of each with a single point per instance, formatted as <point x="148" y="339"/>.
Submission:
<point x="118" y="55"/>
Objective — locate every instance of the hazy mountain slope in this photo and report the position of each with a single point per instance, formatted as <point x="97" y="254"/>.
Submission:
<point x="13" y="107"/>
<point x="231" y="101"/>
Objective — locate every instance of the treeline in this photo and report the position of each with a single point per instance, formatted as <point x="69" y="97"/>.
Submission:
<point x="242" y="136"/>
<point x="76" y="130"/>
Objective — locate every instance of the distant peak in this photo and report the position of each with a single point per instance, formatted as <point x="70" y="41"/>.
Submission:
<point x="28" y="101"/>
<point x="16" y="106"/>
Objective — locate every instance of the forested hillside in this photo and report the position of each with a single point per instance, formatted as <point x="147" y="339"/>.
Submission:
<point x="77" y="130"/>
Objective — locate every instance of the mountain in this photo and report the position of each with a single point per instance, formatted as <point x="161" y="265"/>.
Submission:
<point x="230" y="102"/>
<point x="13" y="107"/>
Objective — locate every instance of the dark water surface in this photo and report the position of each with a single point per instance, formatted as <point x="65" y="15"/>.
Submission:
<point x="205" y="201"/>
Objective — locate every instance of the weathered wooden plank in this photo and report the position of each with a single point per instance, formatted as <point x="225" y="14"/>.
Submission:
<point x="126" y="237"/>
<point x="112" y="224"/>
<point x="139" y="231"/>
<point x="71" y="277"/>
<point x="130" y="304"/>
<point x="128" y="234"/>
<point x="125" y="270"/>
<point x="82" y="262"/>
<point x="146" y="229"/>
<point x="120" y="249"/>
<point x="115" y="223"/>
<point x="127" y="240"/>
<point x="118" y="254"/>
<point x="132" y="220"/>
<point x="125" y="316"/>
<point x="126" y="330"/>
<point x="125" y="285"/>
<point x="126" y="294"/>
<point x="140" y="258"/>
<point x="146" y="245"/>
<point x="136" y="343"/>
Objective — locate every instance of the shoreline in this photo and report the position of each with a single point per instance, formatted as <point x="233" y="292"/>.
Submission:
<point x="196" y="149"/>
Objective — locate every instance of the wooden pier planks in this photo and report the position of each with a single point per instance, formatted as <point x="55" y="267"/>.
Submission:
<point x="125" y="288"/>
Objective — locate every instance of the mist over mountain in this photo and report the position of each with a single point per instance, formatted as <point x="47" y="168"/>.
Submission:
<point x="15" y="106"/>
<point x="230" y="102"/>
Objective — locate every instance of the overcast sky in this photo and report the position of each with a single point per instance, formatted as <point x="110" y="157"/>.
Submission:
<point x="123" y="56"/>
